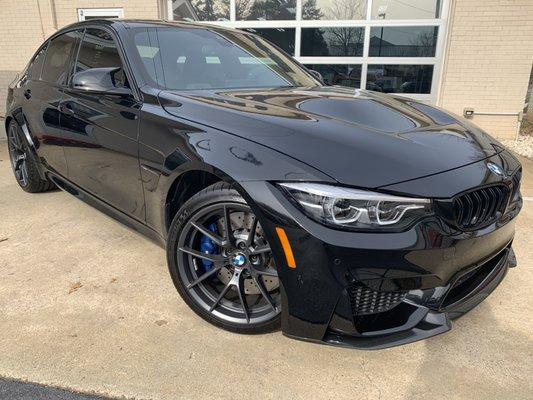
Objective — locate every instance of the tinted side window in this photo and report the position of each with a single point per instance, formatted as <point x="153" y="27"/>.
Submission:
<point x="34" y="71"/>
<point x="57" y="58"/>
<point x="99" y="50"/>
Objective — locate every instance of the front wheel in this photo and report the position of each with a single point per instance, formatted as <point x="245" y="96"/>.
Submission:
<point x="222" y="264"/>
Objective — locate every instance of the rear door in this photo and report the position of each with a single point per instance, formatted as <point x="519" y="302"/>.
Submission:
<point x="42" y="95"/>
<point x="102" y="131"/>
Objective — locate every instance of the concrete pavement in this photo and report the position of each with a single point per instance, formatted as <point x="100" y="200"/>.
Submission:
<point x="87" y="304"/>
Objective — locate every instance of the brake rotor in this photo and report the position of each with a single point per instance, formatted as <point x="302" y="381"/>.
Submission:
<point x="244" y="222"/>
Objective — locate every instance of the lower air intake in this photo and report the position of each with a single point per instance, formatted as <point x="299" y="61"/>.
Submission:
<point x="365" y="301"/>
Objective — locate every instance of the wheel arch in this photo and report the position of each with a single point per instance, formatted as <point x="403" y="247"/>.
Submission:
<point x="186" y="185"/>
<point x="193" y="180"/>
<point x="19" y="118"/>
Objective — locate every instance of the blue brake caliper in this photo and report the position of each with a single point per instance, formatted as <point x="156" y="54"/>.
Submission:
<point x="207" y="246"/>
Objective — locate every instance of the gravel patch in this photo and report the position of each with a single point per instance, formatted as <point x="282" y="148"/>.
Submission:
<point x="523" y="145"/>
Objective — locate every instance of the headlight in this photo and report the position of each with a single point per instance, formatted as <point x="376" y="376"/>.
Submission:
<point x="356" y="209"/>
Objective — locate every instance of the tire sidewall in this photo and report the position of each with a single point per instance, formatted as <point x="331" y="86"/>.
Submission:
<point x="217" y="193"/>
<point x="35" y="183"/>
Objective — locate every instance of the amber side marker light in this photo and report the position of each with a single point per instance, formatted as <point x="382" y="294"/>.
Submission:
<point x="287" y="249"/>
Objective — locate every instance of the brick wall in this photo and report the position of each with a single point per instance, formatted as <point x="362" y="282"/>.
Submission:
<point x="24" y="25"/>
<point x="488" y="62"/>
<point x="20" y="33"/>
<point x="67" y="9"/>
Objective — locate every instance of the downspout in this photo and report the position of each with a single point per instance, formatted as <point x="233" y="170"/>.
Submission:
<point x="41" y="19"/>
<point x="54" y="13"/>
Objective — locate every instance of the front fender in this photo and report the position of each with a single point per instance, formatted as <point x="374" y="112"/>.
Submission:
<point x="170" y="146"/>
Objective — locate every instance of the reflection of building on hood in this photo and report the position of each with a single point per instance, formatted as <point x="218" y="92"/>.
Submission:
<point x="244" y="155"/>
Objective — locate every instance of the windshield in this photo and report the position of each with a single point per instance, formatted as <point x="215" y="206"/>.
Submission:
<point x="200" y="58"/>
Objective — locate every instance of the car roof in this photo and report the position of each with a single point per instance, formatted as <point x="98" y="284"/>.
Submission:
<point x="134" y="23"/>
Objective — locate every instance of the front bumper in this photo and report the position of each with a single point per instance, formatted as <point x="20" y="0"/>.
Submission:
<point x="441" y="273"/>
<point x="423" y="313"/>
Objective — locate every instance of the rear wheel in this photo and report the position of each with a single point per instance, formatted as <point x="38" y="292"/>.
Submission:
<point x="221" y="262"/>
<point x="23" y="165"/>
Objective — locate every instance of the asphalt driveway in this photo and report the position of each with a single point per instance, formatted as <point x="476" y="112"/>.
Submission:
<point x="87" y="304"/>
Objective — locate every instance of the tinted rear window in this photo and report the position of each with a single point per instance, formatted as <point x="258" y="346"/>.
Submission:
<point x="34" y="71"/>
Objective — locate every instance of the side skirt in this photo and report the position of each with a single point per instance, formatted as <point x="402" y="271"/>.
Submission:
<point x="107" y="209"/>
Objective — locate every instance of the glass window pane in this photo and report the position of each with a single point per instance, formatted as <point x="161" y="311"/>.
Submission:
<point x="98" y="50"/>
<point x="281" y="37"/>
<point x="34" y="71"/>
<point x="57" y="57"/>
<point x="208" y="60"/>
<point x="339" y="74"/>
<point x="403" y="41"/>
<point x="334" y="9"/>
<point x="400" y="78"/>
<point x="347" y="42"/>
<point x="201" y="10"/>
<point x="265" y="10"/>
<point x="405" y="9"/>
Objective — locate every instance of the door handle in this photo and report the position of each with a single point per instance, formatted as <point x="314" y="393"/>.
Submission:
<point x="27" y="93"/>
<point x="66" y="109"/>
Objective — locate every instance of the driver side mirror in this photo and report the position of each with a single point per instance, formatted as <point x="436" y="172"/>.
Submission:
<point x="317" y="75"/>
<point x="101" y="80"/>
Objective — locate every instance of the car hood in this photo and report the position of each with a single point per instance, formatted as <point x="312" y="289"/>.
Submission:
<point x="358" y="138"/>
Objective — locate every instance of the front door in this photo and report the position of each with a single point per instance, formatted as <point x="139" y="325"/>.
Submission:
<point x="101" y="130"/>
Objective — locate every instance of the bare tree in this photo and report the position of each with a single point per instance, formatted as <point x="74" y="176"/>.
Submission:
<point x="345" y="38"/>
<point x="243" y="8"/>
<point x="273" y="9"/>
<point x="310" y="11"/>
<point x="424" y="44"/>
<point x="211" y="10"/>
<point x="347" y="9"/>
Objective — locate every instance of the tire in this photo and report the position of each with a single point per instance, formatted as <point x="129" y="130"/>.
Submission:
<point x="23" y="164"/>
<point x="252" y="304"/>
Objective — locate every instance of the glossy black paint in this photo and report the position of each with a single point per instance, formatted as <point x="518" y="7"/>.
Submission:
<point x="127" y="154"/>
<point x="387" y="138"/>
<point x="103" y="154"/>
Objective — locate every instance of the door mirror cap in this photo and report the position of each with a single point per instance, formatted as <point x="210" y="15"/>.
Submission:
<point x="99" y="80"/>
<point x="317" y="75"/>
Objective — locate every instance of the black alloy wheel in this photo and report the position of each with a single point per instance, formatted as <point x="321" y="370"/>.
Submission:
<point x="23" y="164"/>
<point x="18" y="155"/>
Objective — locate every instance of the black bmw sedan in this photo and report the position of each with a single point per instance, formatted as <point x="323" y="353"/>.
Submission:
<point x="346" y="217"/>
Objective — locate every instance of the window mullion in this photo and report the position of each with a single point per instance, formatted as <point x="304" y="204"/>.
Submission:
<point x="298" y="30"/>
<point x="232" y="11"/>
<point x="369" y="10"/>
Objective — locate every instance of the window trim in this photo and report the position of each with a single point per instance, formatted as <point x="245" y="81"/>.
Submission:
<point x="298" y="23"/>
<point x="68" y="64"/>
<point x="44" y="46"/>
<point x="99" y="12"/>
<point x="122" y="54"/>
